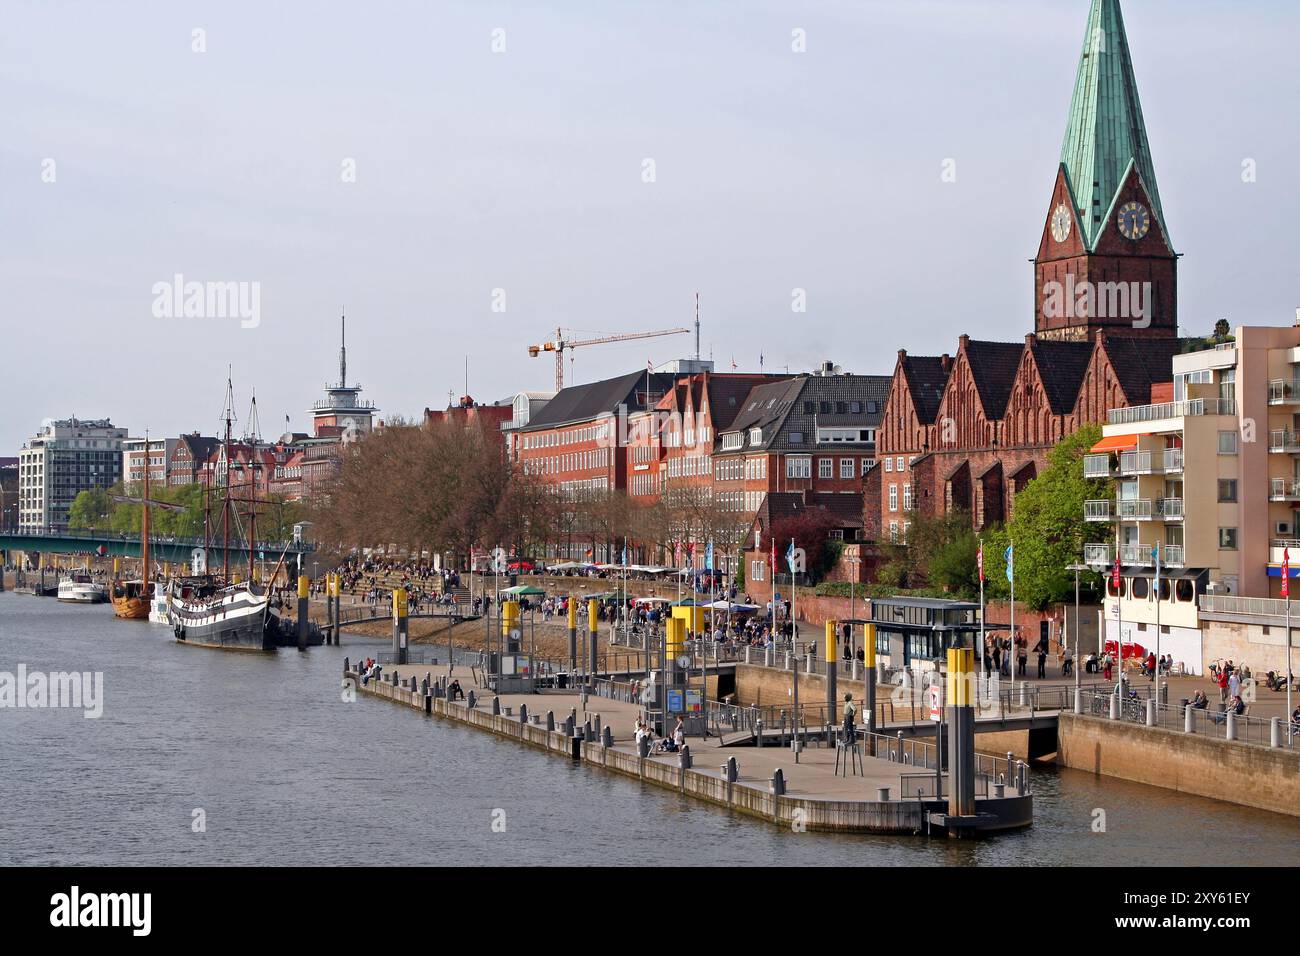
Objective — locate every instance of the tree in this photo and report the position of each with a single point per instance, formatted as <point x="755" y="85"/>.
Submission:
<point x="1048" y="526"/>
<point x="91" y="508"/>
<point x="810" y="529"/>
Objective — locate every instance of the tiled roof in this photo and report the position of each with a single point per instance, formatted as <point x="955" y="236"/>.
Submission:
<point x="1062" y="366"/>
<point x="579" y="403"/>
<point x="1141" y="362"/>
<point x="993" y="367"/>
<point x="926" y="379"/>
<point x="846" y="508"/>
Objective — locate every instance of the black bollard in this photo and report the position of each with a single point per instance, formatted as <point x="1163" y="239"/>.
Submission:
<point x="684" y="757"/>
<point x="496" y="706"/>
<point x="777" y="784"/>
<point x="304" y="588"/>
<point x="550" y="720"/>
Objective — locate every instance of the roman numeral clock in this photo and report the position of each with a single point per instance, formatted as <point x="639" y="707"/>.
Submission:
<point x="1134" y="221"/>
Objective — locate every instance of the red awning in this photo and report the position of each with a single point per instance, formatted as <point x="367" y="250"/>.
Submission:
<point x="1116" y="443"/>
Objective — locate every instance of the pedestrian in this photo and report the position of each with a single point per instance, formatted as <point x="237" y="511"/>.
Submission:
<point x="1042" y="663"/>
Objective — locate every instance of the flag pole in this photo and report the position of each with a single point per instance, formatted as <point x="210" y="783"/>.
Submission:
<point x="1156" y="551"/>
<point x="983" y="646"/>
<point x="1012" y="651"/>
<point x="1286" y="593"/>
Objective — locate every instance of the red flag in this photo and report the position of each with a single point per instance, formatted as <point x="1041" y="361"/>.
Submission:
<point x="1286" y="572"/>
<point x="979" y="561"/>
<point x="1115" y="578"/>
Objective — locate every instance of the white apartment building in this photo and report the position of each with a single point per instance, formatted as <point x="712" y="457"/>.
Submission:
<point x="64" y="459"/>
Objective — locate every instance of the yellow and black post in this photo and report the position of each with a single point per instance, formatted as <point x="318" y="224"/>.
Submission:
<point x="400" y="625"/>
<point x="869" y="684"/>
<point x="832" y="668"/>
<point x="961" y="732"/>
<point x="2" y="570"/>
<point x="573" y="636"/>
<point x="510" y="626"/>
<point x="593" y="626"/>
<point x="304" y="590"/>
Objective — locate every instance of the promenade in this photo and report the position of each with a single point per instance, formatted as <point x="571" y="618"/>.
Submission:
<point x="815" y="797"/>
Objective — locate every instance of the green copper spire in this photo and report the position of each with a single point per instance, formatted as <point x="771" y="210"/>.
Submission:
<point x="1106" y="132"/>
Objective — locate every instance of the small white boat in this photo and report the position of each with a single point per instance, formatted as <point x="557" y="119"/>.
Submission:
<point x="78" y="587"/>
<point x="159" y="607"/>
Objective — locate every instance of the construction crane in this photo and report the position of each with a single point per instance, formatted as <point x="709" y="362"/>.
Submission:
<point x="562" y="345"/>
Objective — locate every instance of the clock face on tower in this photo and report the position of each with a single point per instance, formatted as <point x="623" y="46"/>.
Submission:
<point x="1061" y="222"/>
<point x="1134" y="221"/>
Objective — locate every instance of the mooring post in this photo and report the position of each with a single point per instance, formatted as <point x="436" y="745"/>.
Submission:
<point x="573" y="636"/>
<point x="593" y="626"/>
<point x="832" y="673"/>
<point x="961" y="732"/>
<point x="400" y="625"/>
<point x="304" y="589"/>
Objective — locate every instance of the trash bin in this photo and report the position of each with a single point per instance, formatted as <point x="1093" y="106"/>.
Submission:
<point x="562" y="681"/>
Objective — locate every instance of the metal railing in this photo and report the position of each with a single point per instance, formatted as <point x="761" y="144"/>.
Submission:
<point x="1096" y="554"/>
<point x="1171" y="509"/>
<point x="1164" y="410"/>
<point x="188" y="541"/>
<point x="1283" y="440"/>
<point x="1210" y="722"/>
<point x="1283" y="392"/>
<point x="1232" y="604"/>
<point x="1097" y="466"/>
<point x="1284" y="489"/>
<point x="1138" y="463"/>
<point x="1173" y="459"/>
<point x="1096" y="510"/>
<point x="1134" y="509"/>
<point x="1137" y="554"/>
<point x="1172" y="555"/>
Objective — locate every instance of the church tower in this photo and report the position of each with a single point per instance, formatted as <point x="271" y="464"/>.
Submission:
<point x="1105" y="262"/>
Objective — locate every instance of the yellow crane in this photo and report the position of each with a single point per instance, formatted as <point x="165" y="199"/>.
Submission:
<point x="560" y="345"/>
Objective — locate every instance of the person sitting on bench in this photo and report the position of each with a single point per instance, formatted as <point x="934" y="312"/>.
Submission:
<point x="454" y="691"/>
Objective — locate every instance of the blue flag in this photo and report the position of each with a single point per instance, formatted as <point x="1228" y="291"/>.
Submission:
<point x="1011" y="564"/>
<point x="708" y="556"/>
<point x="789" y="556"/>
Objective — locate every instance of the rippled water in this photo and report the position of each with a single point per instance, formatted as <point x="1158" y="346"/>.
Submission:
<point x="287" y="772"/>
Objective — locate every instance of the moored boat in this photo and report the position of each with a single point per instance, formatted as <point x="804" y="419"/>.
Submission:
<point x="130" y="600"/>
<point x="78" y="587"/>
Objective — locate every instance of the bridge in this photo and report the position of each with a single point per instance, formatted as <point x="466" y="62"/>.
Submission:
<point x="126" y="544"/>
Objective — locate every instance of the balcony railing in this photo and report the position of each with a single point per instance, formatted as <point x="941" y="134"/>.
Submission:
<point x="1284" y="489"/>
<point x="1171" y="555"/>
<point x="1282" y="392"/>
<point x="1191" y="407"/>
<point x="1134" y="509"/>
<point x="1096" y="511"/>
<point x="1139" y="463"/>
<point x="1232" y="604"/>
<point x="1284" y="440"/>
<point x="1097" y="466"/>
<point x="1096" y="554"/>
<point x="1173" y="460"/>
<point x="1139" y="554"/>
<point x="1171" y="509"/>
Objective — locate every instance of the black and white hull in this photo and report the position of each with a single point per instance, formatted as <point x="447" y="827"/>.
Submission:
<point x="239" y="617"/>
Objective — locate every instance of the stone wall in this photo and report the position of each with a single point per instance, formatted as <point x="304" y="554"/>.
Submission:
<point x="1245" y="774"/>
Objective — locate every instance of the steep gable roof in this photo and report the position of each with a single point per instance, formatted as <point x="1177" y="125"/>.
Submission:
<point x="926" y="377"/>
<point x="1140" y="363"/>
<point x="1061" y="368"/>
<point x="993" y="367"/>
<point x="579" y="403"/>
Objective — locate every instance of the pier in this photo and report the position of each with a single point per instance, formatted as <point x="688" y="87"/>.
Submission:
<point x="885" y="784"/>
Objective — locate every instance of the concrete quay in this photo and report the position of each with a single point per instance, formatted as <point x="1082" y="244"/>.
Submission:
<point x="808" y="794"/>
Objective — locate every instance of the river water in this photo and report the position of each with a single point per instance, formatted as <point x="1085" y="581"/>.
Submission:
<point x="263" y="751"/>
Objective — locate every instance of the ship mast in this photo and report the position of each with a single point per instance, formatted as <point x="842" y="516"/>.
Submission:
<point x="228" y="413"/>
<point x="144" y="520"/>
<point x="252" y="439"/>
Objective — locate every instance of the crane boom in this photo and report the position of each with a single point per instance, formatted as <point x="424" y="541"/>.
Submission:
<point x="560" y="345"/>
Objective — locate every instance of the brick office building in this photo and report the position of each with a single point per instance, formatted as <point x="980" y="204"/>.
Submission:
<point x="968" y="431"/>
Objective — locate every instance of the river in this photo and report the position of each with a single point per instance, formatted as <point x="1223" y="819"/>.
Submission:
<point x="264" y="752"/>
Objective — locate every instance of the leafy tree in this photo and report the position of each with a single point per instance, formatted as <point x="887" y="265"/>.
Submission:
<point x="810" y="529"/>
<point x="1048" y="526"/>
<point x="90" y="509"/>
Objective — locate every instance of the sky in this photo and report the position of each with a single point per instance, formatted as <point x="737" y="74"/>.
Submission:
<point x="465" y="177"/>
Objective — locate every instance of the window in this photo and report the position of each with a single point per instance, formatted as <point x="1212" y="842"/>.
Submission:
<point x="867" y="464"/>
<point x="889" y="464"/>
<point x="757" y="570"/>
<point x="893" y="531"/>
<point x="825" y="467"/>
<point x="810" y="408"/>
<point x="893" y="498"/>
<point x="798" y="467"/>
<point x="1228" y="539"/>
<point x="846" y="468"/>
<point x="1227" y="490"/>
<point x="898" y="463"/>
<point x="907" y="497"/>
<point x="1227" y="443"/>
<point x="855" y="408"/>
<point x="796" y="438"/>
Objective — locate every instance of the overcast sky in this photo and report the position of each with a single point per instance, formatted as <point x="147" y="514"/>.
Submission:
<point x="524" y="170"/>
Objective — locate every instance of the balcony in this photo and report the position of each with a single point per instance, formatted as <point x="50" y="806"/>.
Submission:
<point x="1136" y="554"/>
<point x="1096" y="511"/>
<point x="1284" y="549"/>
<point x="1097" y="554"/>
<point x="1173" y="461"/>
<point x="1154" y="413"/>
<point x="1284" y="489"/>
<point x="1170" y="509"/>
<point x="1172" y="556"/>
<point x="1097" y="466"/>
<point x="1139" y="463"/>
<point x="1282" y="392"/>
<point x="1135" y="509"/>
<point x="1283" y="441"/>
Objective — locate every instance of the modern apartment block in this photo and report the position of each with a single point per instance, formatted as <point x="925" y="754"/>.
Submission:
<point x="1210" y="475"/>
<point x="158" y="454"/>
<point x="64" y="459"/>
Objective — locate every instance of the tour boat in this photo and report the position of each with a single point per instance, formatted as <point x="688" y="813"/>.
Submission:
<point x="78" y="587"/>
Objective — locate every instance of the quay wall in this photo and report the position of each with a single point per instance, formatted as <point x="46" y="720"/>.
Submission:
<point x="1246" y="774"/>
<point x="900" y="817"/>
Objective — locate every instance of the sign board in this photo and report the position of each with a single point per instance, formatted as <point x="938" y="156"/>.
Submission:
<point x="694" y="702"/>
<point x="936" y="702"/>
<point x="675" y="702"/>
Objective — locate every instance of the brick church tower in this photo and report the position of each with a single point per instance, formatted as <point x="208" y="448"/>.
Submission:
<point x="1105" y="262"/>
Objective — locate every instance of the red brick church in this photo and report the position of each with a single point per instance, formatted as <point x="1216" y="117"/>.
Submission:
<point x="965" y="432"/>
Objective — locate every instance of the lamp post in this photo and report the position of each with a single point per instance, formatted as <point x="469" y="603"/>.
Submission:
<point x="1076" y="568"/>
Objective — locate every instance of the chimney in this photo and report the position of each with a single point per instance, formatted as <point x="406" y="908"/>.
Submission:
<point x="964" y="340"/>
<point x="945" y="361"/>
